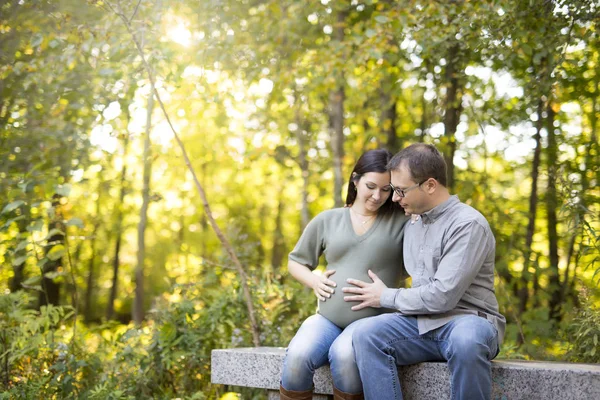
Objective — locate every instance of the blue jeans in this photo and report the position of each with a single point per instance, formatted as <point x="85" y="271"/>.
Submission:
<point x="317" y="342"/>
<point x="467" y="343"/>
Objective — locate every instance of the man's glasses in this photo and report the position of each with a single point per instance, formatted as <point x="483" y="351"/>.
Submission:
<point x="402" y="192"/>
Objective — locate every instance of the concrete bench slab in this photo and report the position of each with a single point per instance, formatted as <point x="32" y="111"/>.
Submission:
<point x="260" y="367"/>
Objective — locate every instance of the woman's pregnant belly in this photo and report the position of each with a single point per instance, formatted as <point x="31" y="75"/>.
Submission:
<point x="339" y="311"/>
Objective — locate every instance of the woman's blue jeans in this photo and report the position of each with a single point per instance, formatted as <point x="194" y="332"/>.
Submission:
<point x="317" y="342"/>
<point x="467" y="343"/>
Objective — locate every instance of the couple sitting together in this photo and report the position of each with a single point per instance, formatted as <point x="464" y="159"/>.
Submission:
<point x="399" y="216"/>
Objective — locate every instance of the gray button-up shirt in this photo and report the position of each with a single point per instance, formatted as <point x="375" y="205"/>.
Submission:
<point x="449" y="253"/>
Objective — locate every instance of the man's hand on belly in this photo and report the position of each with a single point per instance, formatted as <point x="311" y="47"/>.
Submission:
<point x="368" y="294"/>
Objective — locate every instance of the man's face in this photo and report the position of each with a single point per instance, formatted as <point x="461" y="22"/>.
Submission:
<point x="415" y="200"/>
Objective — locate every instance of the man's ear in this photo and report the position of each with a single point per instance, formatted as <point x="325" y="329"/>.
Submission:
<point x="431" y="185"/>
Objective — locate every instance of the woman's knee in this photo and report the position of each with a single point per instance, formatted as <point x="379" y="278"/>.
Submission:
<point x="298" y="369"/>
<point x="295" y="359"/>
<point x="343" y="365"/>
<point x="341" y="351"/>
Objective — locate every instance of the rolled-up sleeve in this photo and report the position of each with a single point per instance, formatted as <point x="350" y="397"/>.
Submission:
<point x="461" y="259"/>
<point x="310" y="245"/>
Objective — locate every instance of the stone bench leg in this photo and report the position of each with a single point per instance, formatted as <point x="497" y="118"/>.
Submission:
<point x="274" y="395"/>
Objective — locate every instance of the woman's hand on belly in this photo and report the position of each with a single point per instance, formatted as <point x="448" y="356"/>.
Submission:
<point x="323" y="287"/>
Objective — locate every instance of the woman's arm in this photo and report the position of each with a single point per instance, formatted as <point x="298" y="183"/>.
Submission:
<point x="320" y="284"/>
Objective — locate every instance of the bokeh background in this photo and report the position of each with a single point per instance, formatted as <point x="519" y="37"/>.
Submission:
<point x="113" y="281"/>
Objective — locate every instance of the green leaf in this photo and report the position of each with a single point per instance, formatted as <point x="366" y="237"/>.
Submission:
<point x="56" y="252"/>
<point x="75" y="222"/>
<point x="53" y="275"/>
<point x="370" y="33"/>
<point x="32" y="287"/>
<point x="53" y="232"/>
<point x="37" y="40"/>
<point x="36" y="226"/>
<point x="23" y="186"/>
<point x="41" y="263"/>
<point x="10" y="221"/>
<point x="12" y="206"/>
<point x="22" y="245"/>
<point x="19" y="260"/>
<point x="167" y="332"/>
<point x="33" y="280"/>
<point x="106" y="71"/>
<point x="63" y="190"/>
<point x="382" y="19"/>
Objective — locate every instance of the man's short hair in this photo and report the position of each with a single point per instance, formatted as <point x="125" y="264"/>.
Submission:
<point x="424" y="161"/>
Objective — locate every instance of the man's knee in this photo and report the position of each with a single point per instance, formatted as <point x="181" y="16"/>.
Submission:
<point x="365" y="333"/>
<point x="472" y="339"/>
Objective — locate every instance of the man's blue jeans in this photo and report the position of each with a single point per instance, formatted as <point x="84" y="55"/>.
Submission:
<point x="467" y="343"/>
<point x="317" y="342"/>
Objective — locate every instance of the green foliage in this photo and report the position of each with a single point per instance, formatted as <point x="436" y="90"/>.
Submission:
<point x="167" y="357"/>
<point x="38" y="359"/>
<point x="583" y="335"/>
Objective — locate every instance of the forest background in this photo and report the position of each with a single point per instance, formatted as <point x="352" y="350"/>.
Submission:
<point x="117" y="279"/>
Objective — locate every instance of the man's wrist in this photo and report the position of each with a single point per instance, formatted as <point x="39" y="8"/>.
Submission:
<point x="388" y="297"/>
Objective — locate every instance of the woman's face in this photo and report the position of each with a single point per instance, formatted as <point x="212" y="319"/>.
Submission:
<point x="372" y="190"/>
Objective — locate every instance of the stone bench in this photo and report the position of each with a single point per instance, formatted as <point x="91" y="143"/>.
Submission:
<point x="260" y="367"/>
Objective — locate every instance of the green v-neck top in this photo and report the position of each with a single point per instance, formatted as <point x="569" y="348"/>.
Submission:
<point x="351" y="256"/>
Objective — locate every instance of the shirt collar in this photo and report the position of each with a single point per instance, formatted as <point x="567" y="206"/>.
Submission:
<point x="432" y="215"/>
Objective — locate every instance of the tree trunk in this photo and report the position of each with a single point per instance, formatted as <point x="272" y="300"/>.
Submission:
<point x="551" y="206"/>
<point x="389" y="116"/>
<point x="570" y="252"/>
<point x="336" y="117"/>
<point x="592" y="155"/>
<point x="110" y="307"/>
<point x="50" y="288"/>
<point x="19" y="270"/>
<point x="261" y="233"/>
<point x="453" y="109"/>
<point x="536" y="281"/>
<point x="302" y="134"/>
<point x="278" y="253"/>
<point x="423" y="124"/>
<point x="591" y="164"/>
<point x="523" y="290"/>
<point x="91" y="270"/>
<point x="138" y="306"/>
<point x="203" y="219"/>
<point x="336" y="101"/>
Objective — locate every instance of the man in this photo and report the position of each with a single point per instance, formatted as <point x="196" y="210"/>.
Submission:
<point x="450" y="313"/>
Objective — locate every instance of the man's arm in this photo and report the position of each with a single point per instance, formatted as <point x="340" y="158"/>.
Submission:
<point x="461" y="261"/>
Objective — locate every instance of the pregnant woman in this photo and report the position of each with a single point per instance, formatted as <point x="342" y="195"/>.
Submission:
<point x="366" y="234"/>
